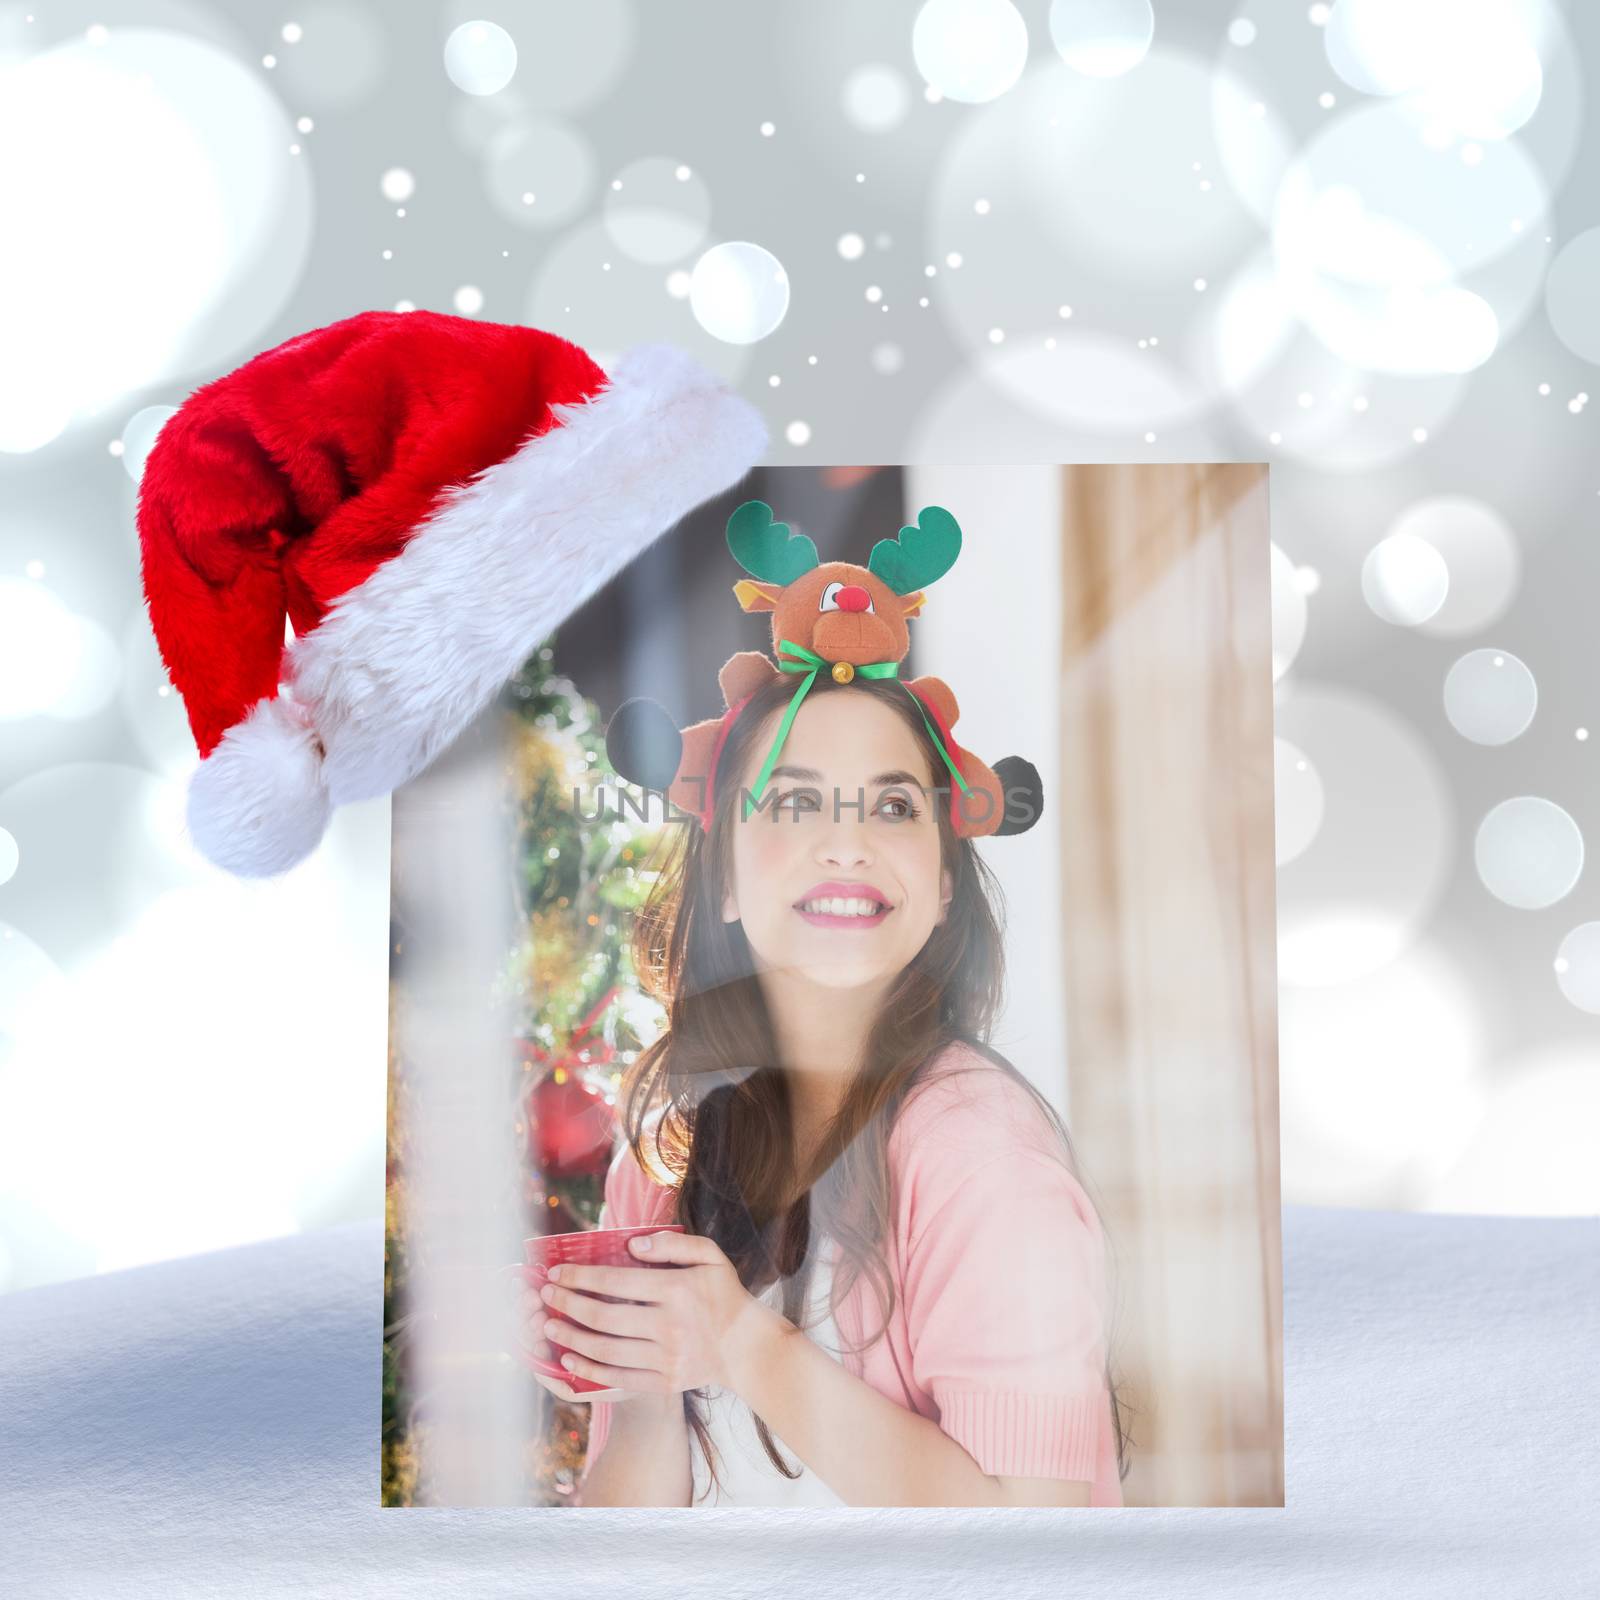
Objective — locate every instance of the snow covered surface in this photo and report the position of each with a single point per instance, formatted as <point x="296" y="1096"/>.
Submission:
<point x="209" y="1427"/>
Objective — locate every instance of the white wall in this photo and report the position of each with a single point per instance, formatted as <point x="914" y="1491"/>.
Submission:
<point x="992" y="629"/>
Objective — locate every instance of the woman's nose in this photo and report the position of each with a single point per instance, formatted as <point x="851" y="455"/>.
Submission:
<point x="845" y="846"/>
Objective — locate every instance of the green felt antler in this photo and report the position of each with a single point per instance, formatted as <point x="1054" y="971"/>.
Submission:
<point x="766" y="549"/>
<point x="920" y="554"/>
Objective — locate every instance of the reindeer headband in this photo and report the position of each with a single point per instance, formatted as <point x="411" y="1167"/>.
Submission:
<point x="847" y="620"/>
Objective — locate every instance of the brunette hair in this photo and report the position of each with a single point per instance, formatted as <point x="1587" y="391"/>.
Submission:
<point x="711" y="1086"/>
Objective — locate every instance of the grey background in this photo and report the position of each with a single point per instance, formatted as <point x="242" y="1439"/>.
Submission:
<point x="1459" y="1074"/>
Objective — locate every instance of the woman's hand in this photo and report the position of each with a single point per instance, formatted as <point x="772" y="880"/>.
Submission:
<point x="530" y="1316"/>
<point x="695" y="1325"/>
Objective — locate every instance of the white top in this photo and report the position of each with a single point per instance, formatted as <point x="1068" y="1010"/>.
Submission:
<point x="748" y="1476"/>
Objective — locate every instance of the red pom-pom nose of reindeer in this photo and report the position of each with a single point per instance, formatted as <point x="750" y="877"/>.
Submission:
<point x="852" y="597"/>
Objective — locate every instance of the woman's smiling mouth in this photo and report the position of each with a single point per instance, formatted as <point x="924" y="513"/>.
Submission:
<point x="843" y="911"/>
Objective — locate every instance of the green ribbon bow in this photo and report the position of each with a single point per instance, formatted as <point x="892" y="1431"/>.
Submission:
<point x="810" y="663"/>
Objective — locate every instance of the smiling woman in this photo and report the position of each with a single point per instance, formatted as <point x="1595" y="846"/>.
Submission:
<point x="891" y="1270"/>
<point x="854" y="836"/>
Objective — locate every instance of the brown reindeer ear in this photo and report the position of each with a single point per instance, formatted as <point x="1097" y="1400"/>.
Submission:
<point x="757" y="596"/>
<point x="912" y="605"/>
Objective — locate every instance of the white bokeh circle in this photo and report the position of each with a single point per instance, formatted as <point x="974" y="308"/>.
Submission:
<point x="139" y="436"/>
<point x="606" y="313"/>
<point x="969" y="50"/>
<point x="341" y="61"/>
<point x="38" y="648"/>
<point x="1054" y="170"/>
<point x="876" y="98"/>
<point x="739" y="292"/>
<point x="657" y="209"/>
<point x="1578" y="967"/>
<point x="1570" y="300"/>
<point x="1355" y="898"/>
<point x="173" y="1155"/>
<point x="1533" y="1153"/>
<point x="1300" y="399"/>
<point x="1058" y="170"/>
<point x="100" y="841"/>
<point x="1404" y="579"/>
<point x="53" y="662"/>
<point x="203" y="211"/>
<point x="1490" y="696"/>
<point x="1385" y="250"/>
<point x="1254" y="144"/>
<point x="151" y="707"/>
<point x="1102" y="38"/>
<point x="1298" y="802"/>
<point x="1094" y="383"/>
<point x="1382" y="1080"/>
<point x="538" y="172"/>
<point x="96" y="676"/>
<point x="30" y="980"/>
<point x="1481" y="552"/>
<point x="977" y="414"/>
<point x="1471" y="72"/>
<point x="573" y="55"/>
<point x="1528" y="852"/>
<point x="480" y="57"/>
<point x="1288" y="613"/>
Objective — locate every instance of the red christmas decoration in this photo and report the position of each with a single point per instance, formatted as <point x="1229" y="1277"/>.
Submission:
<point x="570" y="1128"/>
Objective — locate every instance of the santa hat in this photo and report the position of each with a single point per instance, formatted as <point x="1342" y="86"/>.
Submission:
<point x="424" y="497"/>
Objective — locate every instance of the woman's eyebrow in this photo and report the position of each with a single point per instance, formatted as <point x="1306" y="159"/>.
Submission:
<point x="811" y="775"/>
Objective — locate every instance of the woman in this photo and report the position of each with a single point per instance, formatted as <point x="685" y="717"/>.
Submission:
<point x="824" y="1118"/>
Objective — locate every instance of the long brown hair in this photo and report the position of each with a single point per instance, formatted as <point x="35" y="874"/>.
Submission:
<point x="713" y="1087"/>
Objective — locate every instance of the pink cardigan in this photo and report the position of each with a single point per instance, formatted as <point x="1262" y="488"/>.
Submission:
<point x="997" y="1332"/>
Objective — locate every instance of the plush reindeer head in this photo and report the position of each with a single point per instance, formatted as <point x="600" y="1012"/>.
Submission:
<point x="841" y="611"/>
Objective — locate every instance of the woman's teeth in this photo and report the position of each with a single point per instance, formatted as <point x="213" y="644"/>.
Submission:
<point x="843" y="908"/>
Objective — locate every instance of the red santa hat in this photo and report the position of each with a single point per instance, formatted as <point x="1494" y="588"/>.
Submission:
<point x="424" y="497"/>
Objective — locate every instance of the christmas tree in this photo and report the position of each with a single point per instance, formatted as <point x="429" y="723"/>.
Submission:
<point x="578" y="872"/>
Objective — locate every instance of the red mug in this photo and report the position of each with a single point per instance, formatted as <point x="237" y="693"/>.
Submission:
<point x="602" y="1247"/>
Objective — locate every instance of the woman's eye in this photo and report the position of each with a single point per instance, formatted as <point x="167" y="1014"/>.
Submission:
<point x="909" y="808"/>
<point x="799" y="795"/>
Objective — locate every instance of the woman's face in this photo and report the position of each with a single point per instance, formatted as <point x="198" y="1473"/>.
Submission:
<point x="845" y="816"/>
